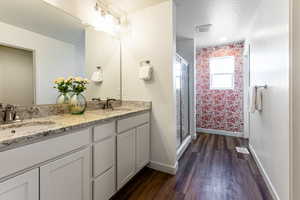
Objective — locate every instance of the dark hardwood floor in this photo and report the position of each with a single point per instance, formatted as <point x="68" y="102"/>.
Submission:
<point x="210" y="169"/>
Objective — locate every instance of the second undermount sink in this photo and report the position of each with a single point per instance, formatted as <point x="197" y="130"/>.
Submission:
<point x="23" y="128"/>
<point x="114" y="110"/>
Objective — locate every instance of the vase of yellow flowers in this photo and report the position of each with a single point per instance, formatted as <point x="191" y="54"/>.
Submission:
<point x="78" y="102"/>
<point x="63" y="87"/>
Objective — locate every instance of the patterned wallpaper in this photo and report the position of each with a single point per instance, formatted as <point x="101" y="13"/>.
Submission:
<point x="220" y="109"/>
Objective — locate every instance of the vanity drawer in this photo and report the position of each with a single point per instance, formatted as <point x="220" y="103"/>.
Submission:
<point x="103" y="155"/>
<point x="104" y="185"/>
<point x="104" y="130"/>
<point x="131" y="122"/>
<point x="27" y="156"/>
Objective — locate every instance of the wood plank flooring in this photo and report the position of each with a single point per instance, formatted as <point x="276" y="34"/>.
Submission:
<point x="210" y="169"/>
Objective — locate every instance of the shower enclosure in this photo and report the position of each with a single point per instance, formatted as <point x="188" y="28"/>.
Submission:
<point x="182" y="100"/>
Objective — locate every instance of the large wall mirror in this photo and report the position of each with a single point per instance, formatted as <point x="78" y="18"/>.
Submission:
<point x="16" y="76"/>
<point x="42" y="43"/>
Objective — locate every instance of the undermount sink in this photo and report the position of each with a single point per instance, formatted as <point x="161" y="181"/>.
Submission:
<point x="22" y="128"/>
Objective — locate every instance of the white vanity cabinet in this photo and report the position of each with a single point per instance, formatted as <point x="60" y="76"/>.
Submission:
<point x="104" y="156"/>
<point x="61" y="169"/>
<point x="22" y="187"/>
<point x="85" y="164"/>
<point x="126" y="157"/>
<point x="66" y="178"/>
<point x="133" y="146"/>
<point x="142" y="146"/>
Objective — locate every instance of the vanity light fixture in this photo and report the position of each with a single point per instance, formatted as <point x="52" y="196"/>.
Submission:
<point x="107" y="18"/>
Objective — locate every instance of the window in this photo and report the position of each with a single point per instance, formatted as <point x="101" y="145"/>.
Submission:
<point x="221" y="73"/>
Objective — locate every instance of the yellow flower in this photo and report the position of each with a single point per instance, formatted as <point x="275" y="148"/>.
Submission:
<point x="59" y="80"/>
<point x="70" y="78"/>
<point x="78" y="79"/>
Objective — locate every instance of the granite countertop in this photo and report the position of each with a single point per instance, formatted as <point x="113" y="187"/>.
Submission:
<point x="37" y="129"/>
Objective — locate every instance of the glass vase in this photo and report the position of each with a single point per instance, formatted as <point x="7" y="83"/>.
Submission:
<point x="63" y="98"/>
<point x="77" y="104"/>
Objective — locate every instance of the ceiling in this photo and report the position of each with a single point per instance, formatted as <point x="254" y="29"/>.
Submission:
<point x="230" y="20"/>
<point x="40" y="17"/>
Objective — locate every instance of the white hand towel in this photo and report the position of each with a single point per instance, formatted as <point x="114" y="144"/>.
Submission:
<point x="145" y="73"/>
<point x="259" y="98"/>
<point x="97" y="76"/>
<point x="253" y="99"/>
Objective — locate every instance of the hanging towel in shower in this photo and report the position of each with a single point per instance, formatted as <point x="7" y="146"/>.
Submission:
<point x="259" y="98"/>
<point x="253" y="99"/>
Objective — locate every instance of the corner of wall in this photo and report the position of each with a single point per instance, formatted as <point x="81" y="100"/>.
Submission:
<point x="152" y="38"/>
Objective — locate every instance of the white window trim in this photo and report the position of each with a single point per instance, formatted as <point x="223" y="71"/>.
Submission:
<point x="211" y="75"/>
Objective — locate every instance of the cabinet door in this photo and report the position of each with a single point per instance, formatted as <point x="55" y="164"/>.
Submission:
<point x="125" y="157"/>
<point x="105" y="185"/>
<point x="22" y="187"/>
<point x="66" y="178"/>
<point x="142" y="146"/>
<point x="104" y="155"/>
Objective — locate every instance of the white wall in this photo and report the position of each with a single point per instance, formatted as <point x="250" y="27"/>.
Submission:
<point x="151" y="38"/>
<point x="16" y="81"/>
<point x="101" y="49"/>
<point x="83" y="10"/>
<point x="187" y="49"/>
<point x="296" y="99"/>
<point x="52" y="58"/>
<point x="269" y="58"/>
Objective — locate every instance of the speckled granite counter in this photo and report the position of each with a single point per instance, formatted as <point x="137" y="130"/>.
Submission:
<point x="37" y="129"/>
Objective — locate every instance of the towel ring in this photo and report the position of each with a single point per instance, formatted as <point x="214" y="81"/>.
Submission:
<point x="261" y="86"/>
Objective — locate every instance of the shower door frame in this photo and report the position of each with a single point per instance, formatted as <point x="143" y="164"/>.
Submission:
<point x="184" y="141"/>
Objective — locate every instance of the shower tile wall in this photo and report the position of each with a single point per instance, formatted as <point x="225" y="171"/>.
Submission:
<point x="220" y="109"/>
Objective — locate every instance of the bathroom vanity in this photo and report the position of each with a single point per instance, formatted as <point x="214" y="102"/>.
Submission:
<point x="51" y="154"/>
<point x="82" y="157"/>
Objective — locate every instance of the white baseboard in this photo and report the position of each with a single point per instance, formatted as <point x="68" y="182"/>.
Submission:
<point x="220" y="132"/>
<point x="169" y="169"/>
<point x="264" y="174"/>
<point x="185" y="144"/>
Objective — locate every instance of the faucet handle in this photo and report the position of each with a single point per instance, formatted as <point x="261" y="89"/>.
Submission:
<point x="96" y="99"/>
<point x="9" y="107"/>
<point x="17" y="117"/>
<point x="34" y="110"/>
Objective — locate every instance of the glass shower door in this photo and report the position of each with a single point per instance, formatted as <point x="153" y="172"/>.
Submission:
<point x="182" y="100"/>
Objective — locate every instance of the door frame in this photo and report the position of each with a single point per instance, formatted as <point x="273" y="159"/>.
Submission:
<point x="184" y="142"/>
<point x="246" y="59"/>
<point x="183" y="61"/>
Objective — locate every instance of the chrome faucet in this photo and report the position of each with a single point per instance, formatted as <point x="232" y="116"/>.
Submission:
<point x="108" y="104"/>
<point x="8" y="114"/>
<point x="2" y="113"/>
